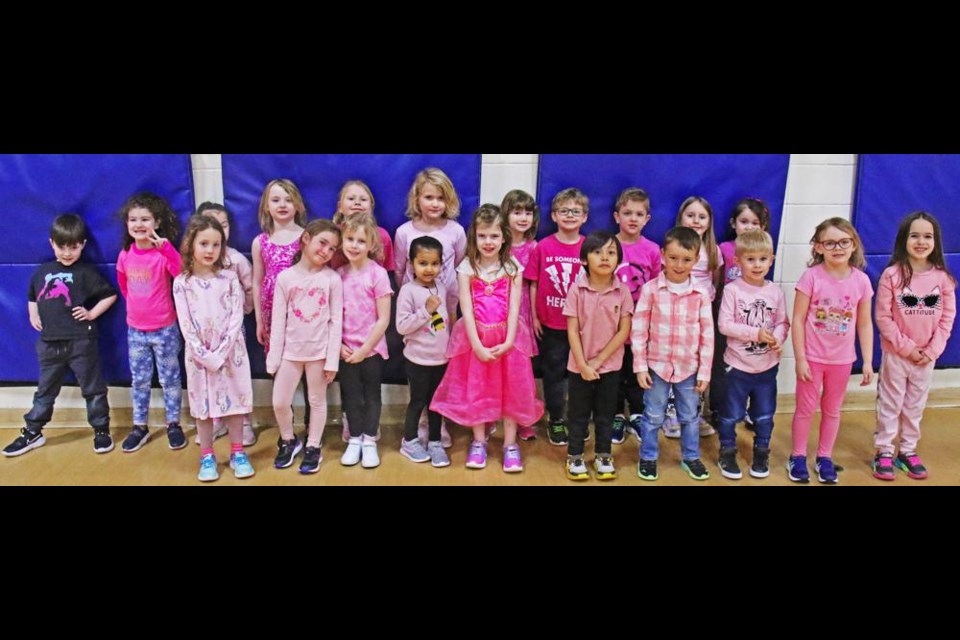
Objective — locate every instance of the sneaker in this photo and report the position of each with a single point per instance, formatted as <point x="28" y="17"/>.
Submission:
<point x="477" y="456"/>
<point x="911" y="465"/>
<point x="175" y="436"/>
<point x="312" y="457"/>
<point x="445" y="438"/>
<point x="883" y="467"/>
<point x="603" y="465"/>
<point x="438" y="456"/>
<point x="240" y="464"/>
<point x="512" y="462"/>
<point x="706" y="429"/>
<point x="26" y="441"/>
<point x="557" y="431"/>
<point x="695" y="469"/>
<point x="369" y="456"/>
<point x="728" y="464"/>
<point x="635" y="426"/>
<point x="351" y="456"/>
<point x="826" y="473"/>
<point x="647" y="470"/>
<point x="102" y="442"/>
<point x="576" y="469"/>
<point x="761" y="462"/>
<point x="619" y="429"/>
<point x="208" y="468"/>
<point x="414" y="450"/>
<point x="286" y="452"/>
<point x="249" y="435"/>
<point x="797" y="469"/>
<point x="489" y="429"/>
<point x="219" y="430"/>
<point x="527" y="433"/>
<point x="137" y="438"/>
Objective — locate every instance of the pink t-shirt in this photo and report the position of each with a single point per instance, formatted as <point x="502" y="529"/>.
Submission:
<point x="361" y="288"/>
<point x="454" y="241"/>
<point x="731" y="270"/>
<point x="307" y="319"/>
<point x="744" y="311"/>
<point x="829" y="330"/>
<point x="425" y="335"/>
<point x="555" y="266"/>
<point x="918" y="316"/>
<point x="701" y="273"/>
<point x="599" y="314"/>
<point x="642" y="263"/>
<point x="145" y="277"/>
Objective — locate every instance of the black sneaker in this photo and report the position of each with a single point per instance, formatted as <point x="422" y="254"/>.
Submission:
<point x="311" y="460"/>
<point x="102" y="442"/>
<point x="728" y="464"/>
<point x="761" y="462"/>
<point x="26" y="441"/>
<point x="137" y="438"/>
<point x="695" y="469"/>
<point x="647" y="470"/>
<point x="287" y="451"/>
<point x="557" y="431"/>
<point x="175" y="436"/>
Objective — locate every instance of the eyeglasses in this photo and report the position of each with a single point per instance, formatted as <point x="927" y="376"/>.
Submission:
<point x="830" y="245"/>
<point x="570" y="213"/>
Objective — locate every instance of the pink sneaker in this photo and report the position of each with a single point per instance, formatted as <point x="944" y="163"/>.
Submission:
<point x="512" y="463"/>
<point x="911" y="465"/>
<point x="477" y="457"/>
<point x="527" y="433"/>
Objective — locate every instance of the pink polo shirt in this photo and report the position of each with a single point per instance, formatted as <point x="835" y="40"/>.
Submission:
<point x="599" y="314"/>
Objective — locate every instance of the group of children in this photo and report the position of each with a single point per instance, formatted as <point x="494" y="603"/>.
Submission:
<point x="474" y="308"/>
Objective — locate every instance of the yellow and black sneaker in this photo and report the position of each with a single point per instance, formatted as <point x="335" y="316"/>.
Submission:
<point x="576" y="469"/>
<point x="603" y="465"/>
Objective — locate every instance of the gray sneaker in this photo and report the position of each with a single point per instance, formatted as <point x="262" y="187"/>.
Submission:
<point x="438" y="457"/>
<point x="413" y="450"/>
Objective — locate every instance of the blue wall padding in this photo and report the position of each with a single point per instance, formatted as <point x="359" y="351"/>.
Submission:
<point x="889" y="186"/>
<point x="669" y="179"/>
<point x="320" y="177"/>
<point x="34" y="189"/>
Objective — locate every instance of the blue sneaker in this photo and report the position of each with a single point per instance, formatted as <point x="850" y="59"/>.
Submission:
<point x="826" y="472"/>
<point x="797" y="469"/>
<point x="635" y="426"/>
<point x="240" y="464"/>
<point x="208" y="468"/>
<point x="619" y="429"/>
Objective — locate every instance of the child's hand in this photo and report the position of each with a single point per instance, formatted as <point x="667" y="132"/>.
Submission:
<point x="924" y="359"/>
<point x="356" y="356"/>
<point x="500" y="349"/>
<point x="867" y="374"/>
<point x="156" y="240"/>
<point x="776" y="347"/>
<point x="81" y="314"/>
<point x="329" y="376"/>
<point x="262" y="334"/>
<point x="432" y="304"/>
<point x="916" y="357"/>
<point x="483" y="354"/>
<point x="594" y="364"/>
<point x="35" y="322"/>
<point x="803" y="371"/>
<point x="644" y="380"/>
<point x="766" y="336"/>
<point x="537" y="328"/>
<point x="588" y="373"/>
<point x="345" y="352"/>
<point x="701" y="386"/>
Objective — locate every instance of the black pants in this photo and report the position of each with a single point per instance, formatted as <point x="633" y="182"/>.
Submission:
<point x="554" y="351"/>
<point x="424" y="381"/>
<point x="597" y="397"/>
<point x="629" y="390"/>
<point x="56" y="358"/>
<point x="360" y="395"/>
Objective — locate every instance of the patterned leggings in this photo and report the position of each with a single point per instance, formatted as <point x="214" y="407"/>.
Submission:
<point x="144" y="346"/>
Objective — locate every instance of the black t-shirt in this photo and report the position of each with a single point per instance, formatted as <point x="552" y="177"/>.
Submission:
<point x="58" y="289"/>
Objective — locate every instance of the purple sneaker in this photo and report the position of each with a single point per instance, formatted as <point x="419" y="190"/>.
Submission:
<point x="477" y="457"/>
<point x="511" y="459"/>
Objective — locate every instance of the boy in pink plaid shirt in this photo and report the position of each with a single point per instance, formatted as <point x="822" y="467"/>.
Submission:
<point x="672" y="341"/>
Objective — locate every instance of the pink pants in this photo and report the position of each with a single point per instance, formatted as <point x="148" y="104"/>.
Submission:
<point x="833" y="379"/>
<point x="901" y="396"/>
<point x="285" y="385"/>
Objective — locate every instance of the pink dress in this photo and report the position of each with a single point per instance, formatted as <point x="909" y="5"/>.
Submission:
<point x="474" y="392"/>
<point x="521" y="253"/>
<point x="276" y="258"/>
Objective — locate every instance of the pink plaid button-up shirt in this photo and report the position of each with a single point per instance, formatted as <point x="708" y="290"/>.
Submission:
<point x="672" y="333"/>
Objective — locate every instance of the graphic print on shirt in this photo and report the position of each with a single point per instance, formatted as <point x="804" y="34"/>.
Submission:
<point x="833" y="317"/>
<point x="634" y="276"/>
<point x="56" y="287"/>
<point x="306" y="304"/>
<point x="436" y="324"/>
<point x="759" y="316"/>
<point x="561" y="275"/>
<point x="917" y="305"/>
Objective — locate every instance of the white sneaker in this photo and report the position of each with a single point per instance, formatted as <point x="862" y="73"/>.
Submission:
<point x="445" y="438"/>
<point x="351" y="456"/>
<point x="249" y="435"/>
<point x="371" y="458"/>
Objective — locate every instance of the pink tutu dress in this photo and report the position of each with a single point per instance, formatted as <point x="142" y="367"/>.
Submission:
<point x="474" y="392"/>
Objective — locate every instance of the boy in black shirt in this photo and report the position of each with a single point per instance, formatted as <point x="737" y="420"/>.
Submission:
<point x="60" y="292"/>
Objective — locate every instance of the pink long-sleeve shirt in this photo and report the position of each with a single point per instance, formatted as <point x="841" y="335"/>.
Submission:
<point x="745" y="310"/>
<point x="424" y="337"/>
<point x="145" y="277"/>
<point x="672" y="333"/>
<point x="307" y="321"/>
<point x="918" y="316"/>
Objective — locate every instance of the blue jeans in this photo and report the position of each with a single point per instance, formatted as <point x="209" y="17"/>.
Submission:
<point x="761" y="389"/>
<point x="687" y="401"/>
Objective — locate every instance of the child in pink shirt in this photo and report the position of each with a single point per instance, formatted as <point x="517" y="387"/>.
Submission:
<point x="916" y="307"/>
<point x="832" y="305"/>
<point x="753" y="316"/>
<point x="598" y="310"/>
<point x="145" y="270"/>
<point x="356" y="198"/>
